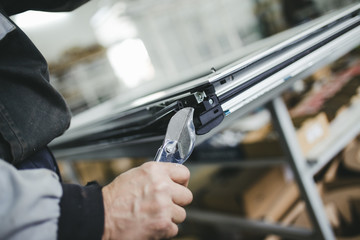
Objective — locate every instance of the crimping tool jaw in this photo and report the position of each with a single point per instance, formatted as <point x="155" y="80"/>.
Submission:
<point x="180" y="138"/>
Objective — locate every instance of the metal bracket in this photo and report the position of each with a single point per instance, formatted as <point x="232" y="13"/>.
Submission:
<point x="208" y="111"/>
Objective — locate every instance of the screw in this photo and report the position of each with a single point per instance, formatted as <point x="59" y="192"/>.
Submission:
<point x="211" y="101"/>
<point x="168" y="149"/>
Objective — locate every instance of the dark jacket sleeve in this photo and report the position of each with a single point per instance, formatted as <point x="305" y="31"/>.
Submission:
<point x="82" y="212"/>
<point x="32" y="112"/>
<point x="17" y="6"/>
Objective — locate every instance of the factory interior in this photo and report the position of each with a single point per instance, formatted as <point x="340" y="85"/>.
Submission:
<point x="287" y="167"/>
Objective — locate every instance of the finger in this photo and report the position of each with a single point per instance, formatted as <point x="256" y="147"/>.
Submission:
<point x="171" y="231"/>
<point x="178" y="173"/>
<point x="178" y="214"/>
<point x="181" y="195"/>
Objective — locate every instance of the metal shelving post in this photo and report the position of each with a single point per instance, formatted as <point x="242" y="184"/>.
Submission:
<point x="298" y="163"/>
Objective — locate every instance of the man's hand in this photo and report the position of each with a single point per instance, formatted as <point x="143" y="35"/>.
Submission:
<point x="146" y="202"/>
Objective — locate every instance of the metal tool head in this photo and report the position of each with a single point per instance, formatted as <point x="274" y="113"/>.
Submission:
<point x="180" y="138"/>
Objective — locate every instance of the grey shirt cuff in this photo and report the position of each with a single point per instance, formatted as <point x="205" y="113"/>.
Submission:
<point x="29" y="203"/>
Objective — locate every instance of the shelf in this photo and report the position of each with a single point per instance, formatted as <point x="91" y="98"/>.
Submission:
<point x="258" y="226"/>
<point x="248" y="163"/>
<point x="342" y="130"/>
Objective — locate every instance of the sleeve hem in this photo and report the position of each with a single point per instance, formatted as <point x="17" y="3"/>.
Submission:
<point x="81" y="212"/>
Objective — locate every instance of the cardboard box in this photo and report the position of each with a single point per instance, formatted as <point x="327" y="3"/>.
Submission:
<point x="342" y="86"/>
<point x="351" y="156"/>
<point x="256" y="194"/>
<point x="293" y="213"/>
<point x="324" y="73"/>
<point x="331" y="172"/>
<point x="342" y="207"/>
<point x="312" y="131"/>
<point x="224" y="191"/>
<point x="263" y="149"/>
<point x="341" y="198"/>
<point x="342" y="99"/>
<point x="260" y="198"/>
<point x="346" y="201"/>
<point x="287" y="197"/>
<point x="261" y="143"/>
<point x="297" y="216"/>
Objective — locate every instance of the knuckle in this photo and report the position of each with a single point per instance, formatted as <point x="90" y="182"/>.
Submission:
<point x="162" y="187"/>
<point x="165" y="228"/>
<point x="190" y="196"/>
<point x="160" y="205"/>
<point x="148" y="170"/>
<point x="149" y="166"/>
<point x="162" y="224"/>
<point x="173" y="231"/>
<point x="185" y="169"/>
<point x="152" y="169"/>
<point x="186" y="173"/>
<point x="186" y="197"/>
<point x="182" y="214"/>
<point x="157" y="206"/>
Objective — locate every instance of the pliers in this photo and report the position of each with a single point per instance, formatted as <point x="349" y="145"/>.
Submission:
<point x="179" y="139"/>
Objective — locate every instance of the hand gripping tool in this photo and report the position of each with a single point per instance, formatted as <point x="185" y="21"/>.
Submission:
<point x="179" y="139"/>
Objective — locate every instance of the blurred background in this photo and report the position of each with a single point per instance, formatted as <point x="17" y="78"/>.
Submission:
<point x="116" y="51"/>
<point x="110" y="48"/>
